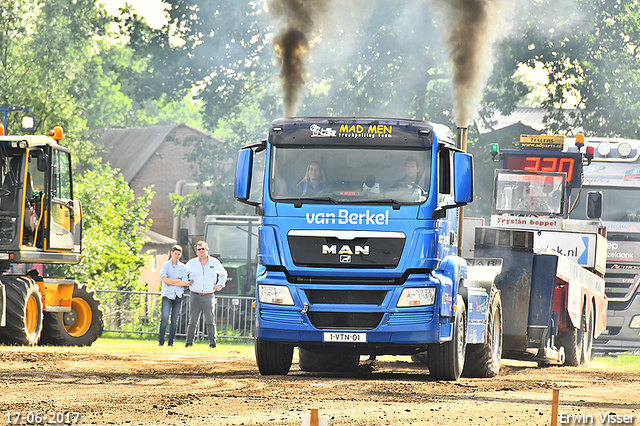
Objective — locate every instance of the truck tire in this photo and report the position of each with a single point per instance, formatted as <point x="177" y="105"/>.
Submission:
<point x="80" y="327"/>
<point x="273" y="357"/>
<point x="589" y="326"/>
<point x="572" y="342"/>
<point x="446" y="360"/>
<point x="331" y="362"/>
<point x="483" y="359"/>
<point x="24" y="312"/>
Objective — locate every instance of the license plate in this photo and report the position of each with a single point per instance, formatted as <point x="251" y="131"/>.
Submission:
<point x="345" y="337"/>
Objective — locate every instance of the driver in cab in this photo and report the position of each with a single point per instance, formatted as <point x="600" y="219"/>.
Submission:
<point x="411" y="173"/>
<point x="533" y="202"/>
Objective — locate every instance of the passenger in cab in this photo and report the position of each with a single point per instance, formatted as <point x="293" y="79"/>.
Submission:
<point x="313" y="182"/>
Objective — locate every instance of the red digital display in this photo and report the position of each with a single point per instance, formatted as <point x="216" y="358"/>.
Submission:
<point x="543" y="163"/>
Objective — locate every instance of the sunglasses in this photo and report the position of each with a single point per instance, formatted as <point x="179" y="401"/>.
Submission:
<point x="200" y="249"/>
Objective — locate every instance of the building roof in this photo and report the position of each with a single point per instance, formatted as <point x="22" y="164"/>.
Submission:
<point x="129" y="149"/>
<point x="150" y="237"/>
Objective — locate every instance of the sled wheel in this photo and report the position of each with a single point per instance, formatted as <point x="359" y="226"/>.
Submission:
<point x="483" y="359"/>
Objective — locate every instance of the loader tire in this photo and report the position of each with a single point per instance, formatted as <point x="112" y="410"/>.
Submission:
<point x="24" y="312"/>
<point x="483" y="359"/>
<point x="446" y="359"/>
<point x="327" y="362"/>
<point x="80" y="327"/>
<point x="273" y="357"/>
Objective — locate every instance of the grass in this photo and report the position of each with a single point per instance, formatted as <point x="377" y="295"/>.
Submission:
<point x="114" y="343"/>
<point x="624" y="361"/>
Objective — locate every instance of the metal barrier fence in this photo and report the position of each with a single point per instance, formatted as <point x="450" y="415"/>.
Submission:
<point x="139" y="312"/>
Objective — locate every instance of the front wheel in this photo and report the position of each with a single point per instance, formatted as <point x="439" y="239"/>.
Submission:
<point x="24" y="311"/>
<point x="446" y="360"/>
<point x="273" y="357"/>
<point x="80" y="327"/>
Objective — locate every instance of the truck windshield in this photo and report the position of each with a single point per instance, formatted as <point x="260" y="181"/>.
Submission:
<point x="231" y="241"/>
<point x="618" y="204"/>
<point x="522" y="193"/>
<point x="348" y="175"/>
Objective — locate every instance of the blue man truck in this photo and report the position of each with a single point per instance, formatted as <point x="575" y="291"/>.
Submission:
<point x="359" y="248"/>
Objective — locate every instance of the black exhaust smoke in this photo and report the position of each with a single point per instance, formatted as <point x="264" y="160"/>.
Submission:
<point x="470" y="28"/>
<point x="292" y="43"/>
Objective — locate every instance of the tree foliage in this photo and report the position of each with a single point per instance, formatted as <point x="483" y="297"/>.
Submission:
<point x="54" y="58"/>
<point x="113" y="221"/>
<point x="589" y="48"/>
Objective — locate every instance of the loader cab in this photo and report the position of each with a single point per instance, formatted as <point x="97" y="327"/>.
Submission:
<point x="39" y="218"/>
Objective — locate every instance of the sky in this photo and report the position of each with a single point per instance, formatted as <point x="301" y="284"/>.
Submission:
<point x="152" y="10"/>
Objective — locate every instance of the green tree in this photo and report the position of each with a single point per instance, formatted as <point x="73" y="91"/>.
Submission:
<point x="113" y="221"/>
<point x="54" y="59"/>
<point x="589" y="48"/>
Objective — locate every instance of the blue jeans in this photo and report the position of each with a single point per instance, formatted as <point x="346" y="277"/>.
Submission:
<point x="169" y="307"/>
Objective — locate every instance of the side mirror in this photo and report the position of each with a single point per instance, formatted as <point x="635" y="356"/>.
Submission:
<point x="244" y="169"/>
<point x="594" y="204"/>
<point x="43" y="162"/>
<point x="463" y="177"/>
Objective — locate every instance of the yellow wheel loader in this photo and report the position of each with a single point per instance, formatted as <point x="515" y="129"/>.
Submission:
<point x="40" y="224"/>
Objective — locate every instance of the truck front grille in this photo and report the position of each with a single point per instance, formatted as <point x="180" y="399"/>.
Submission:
<point x="621" y="284"/>
<point x="346" y="297"/>
<point x="345" y="320"/>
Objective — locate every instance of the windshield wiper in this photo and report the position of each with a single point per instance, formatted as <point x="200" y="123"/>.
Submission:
<point x="394" y="203"/>
<point x="298" y="202"/>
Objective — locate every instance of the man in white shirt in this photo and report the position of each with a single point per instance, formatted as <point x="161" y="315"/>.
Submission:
<point x="174" y="280"/>
<point x="206" y="275"/>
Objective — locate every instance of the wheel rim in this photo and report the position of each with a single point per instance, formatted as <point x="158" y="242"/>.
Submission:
<point x="496" y="342"/>
<point x="81" y="314"/>
<point x="32" y="315"/>
<point x="461" y="340"/>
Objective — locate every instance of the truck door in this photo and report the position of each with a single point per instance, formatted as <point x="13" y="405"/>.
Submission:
<point x="64" y="219"/>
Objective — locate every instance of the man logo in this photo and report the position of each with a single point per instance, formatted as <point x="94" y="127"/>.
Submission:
<point x="345" y="249"/>
<point x="345" y="258"/>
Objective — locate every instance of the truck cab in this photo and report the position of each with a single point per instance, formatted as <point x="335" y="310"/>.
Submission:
<point x="358" y="243"/>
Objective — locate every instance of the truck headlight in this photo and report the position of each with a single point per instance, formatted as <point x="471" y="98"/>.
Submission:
<point x="422" y="296"/>
<point x="274" y="294"/>
<point x="635" y="322"/>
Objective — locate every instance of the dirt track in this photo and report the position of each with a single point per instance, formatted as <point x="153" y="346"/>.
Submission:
<point x="199" y="386"/>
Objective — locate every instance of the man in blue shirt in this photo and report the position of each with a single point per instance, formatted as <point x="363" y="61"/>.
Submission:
<point x="206" y="275"/>
<point x="174" y="280"/>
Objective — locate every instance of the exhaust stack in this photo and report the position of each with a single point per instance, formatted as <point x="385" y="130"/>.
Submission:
<point x="461" y="138"/>
<point x="461" y="143"/>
